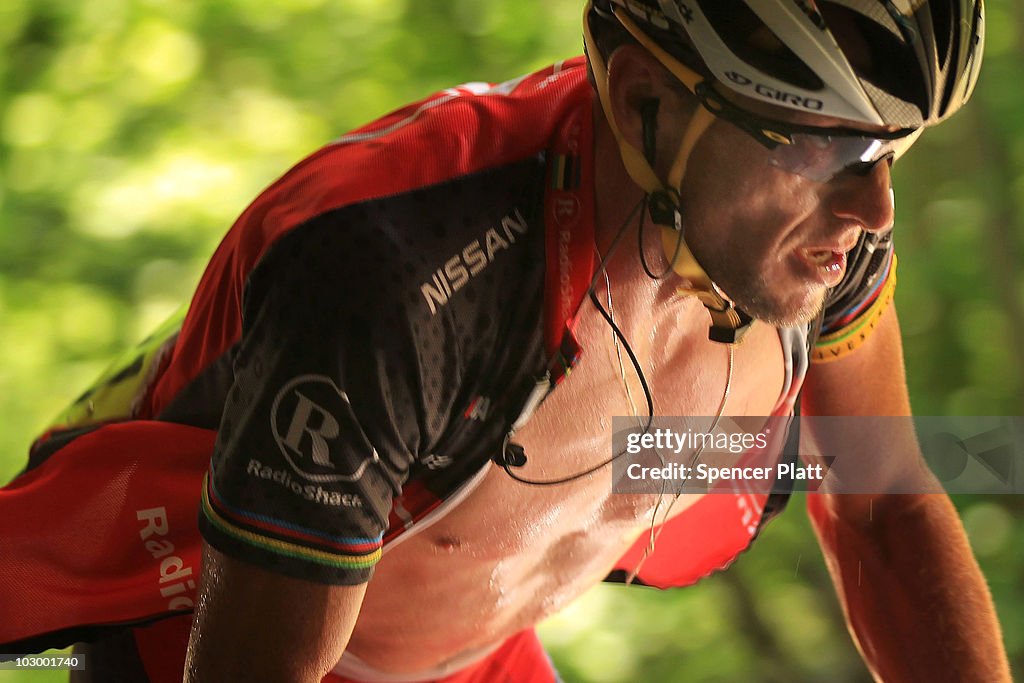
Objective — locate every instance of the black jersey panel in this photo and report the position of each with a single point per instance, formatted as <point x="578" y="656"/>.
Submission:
<point x="365" y="333"/>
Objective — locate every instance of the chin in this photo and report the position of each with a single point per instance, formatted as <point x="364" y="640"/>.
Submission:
<point x="779" y="311"/>
<point x="767" y="292"/>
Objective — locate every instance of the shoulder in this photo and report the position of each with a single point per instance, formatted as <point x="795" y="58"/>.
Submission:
<point x="451" y="134"/>
<point x="412" y="252"/>
<point x="398" y="208"/>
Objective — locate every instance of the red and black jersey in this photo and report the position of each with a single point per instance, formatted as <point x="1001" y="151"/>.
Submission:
<point x="368" y="334"/>
<point x="391" y="324"/>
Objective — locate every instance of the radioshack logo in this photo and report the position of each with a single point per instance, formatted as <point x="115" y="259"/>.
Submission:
<point x="305" y="424"/>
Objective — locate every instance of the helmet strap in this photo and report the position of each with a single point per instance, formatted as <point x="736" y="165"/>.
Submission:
<point x="728" y="323"/>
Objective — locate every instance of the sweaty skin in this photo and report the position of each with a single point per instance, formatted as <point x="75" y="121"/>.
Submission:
<point x="512" y="554"/>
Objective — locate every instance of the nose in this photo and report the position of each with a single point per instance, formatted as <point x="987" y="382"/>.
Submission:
<point x="865" y="198"/>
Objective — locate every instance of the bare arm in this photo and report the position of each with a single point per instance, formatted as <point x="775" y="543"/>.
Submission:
<point x="913" y="594"/>
<point x="254" y="625"/>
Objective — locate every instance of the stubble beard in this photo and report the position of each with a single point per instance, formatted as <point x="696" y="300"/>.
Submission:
<point x="754" y="297"/>
<point x="751" y="292"/>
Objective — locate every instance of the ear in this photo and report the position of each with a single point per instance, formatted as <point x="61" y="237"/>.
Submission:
<point x="634" y="79"/>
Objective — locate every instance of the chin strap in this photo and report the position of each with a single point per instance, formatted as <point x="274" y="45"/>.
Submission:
<point x="728" y="323"/>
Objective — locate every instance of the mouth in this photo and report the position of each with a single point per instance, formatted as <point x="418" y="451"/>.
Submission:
<point x="824" y="265"/>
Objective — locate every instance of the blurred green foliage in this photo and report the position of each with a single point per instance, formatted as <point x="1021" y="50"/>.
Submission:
<point x="132" y="132"/>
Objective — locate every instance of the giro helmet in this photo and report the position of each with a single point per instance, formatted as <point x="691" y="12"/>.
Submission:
<point x="902" y="63"/>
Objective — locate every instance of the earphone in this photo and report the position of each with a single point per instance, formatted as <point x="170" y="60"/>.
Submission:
<point x="660" y="205"/>
<point x="663" y="204"/>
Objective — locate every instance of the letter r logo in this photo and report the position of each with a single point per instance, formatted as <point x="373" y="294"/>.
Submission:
<point x="317" y="433"/>
<point x="303" y="423"/>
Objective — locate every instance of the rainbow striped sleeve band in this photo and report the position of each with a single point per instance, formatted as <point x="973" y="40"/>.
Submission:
<point x="286" y="539"/>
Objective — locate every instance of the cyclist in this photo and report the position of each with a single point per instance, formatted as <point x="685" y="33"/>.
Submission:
<point x="410" y="466"/>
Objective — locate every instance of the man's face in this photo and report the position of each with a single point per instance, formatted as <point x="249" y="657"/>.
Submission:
<point x="773" y="240"/>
